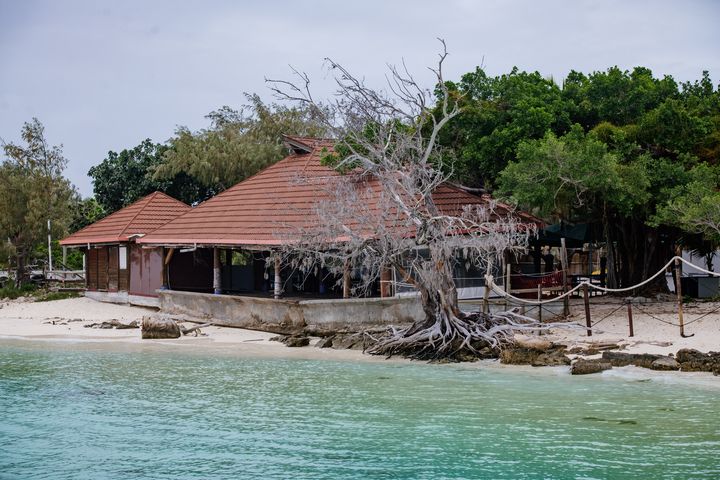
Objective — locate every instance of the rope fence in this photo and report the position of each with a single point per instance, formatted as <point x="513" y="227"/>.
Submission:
<point x="586" y="286"/>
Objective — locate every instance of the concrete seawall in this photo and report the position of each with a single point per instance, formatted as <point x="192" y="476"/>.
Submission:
<point x="292" y="316"/>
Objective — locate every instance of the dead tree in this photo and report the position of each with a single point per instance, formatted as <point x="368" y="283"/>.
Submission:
<point x="380" y="211"/>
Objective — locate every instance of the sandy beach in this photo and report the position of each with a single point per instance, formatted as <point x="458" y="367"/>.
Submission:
<point x="67" y="320"/>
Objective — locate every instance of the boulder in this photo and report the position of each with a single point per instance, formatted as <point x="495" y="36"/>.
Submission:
<point x="585" y="367"/>
<point x="534" y="351"/>
<point x="325" y="342"/>
<point x="159" y="327"/>
<point x="691" y="360"/>
<point x="348" y="341"/>
<point x="620" y="359"/>
<point x="296" y="341"/>
<point x="665" y="363"/>
<point x="554" y="358"/>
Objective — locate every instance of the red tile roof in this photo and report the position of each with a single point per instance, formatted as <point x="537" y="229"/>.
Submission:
<point x="265" y="208"/>
<point x="141" y="217"/>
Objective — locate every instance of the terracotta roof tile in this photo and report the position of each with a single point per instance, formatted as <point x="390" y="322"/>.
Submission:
<point x="261" y="210"/>
<point x="141" y="217"/>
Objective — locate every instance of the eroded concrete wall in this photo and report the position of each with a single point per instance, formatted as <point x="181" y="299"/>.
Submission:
<point x="291" y="316"/>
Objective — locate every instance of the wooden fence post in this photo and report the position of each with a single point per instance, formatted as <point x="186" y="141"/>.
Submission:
<point x="508" y="286"/>
<point x="486" y="295"/>
<point x="564" y="264"/>
<point x="586" y="298"/>
<point x="678" y="291"/>
<point x="630" y="319"/>
<point x="539" y="297"/>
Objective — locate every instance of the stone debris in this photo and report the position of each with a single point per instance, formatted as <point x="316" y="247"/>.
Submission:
<point x="665" y="363"/>
<point x="294" y="341"/>
<point x="621" y="359"/>
<point x="691" y="360"/>
<point x="536" y="352"/>
<point x="585" y="367"/>
<point x="116" y="324"/>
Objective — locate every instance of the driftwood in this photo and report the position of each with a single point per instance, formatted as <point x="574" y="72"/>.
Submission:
<point x="159" y="327"/>
<point x="196" y="329"/>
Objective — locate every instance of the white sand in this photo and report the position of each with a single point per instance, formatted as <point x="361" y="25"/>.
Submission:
<point x="66" y="320"/>
<point x="652" y="335"/>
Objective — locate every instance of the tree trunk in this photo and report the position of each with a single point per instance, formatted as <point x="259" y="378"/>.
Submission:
<point x="642" y="250"/>
<point x="21" y="273"/>
<point x="159" y="327"/>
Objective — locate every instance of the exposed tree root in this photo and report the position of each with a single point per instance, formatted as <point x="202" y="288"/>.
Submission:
<point x="449" y="337"/>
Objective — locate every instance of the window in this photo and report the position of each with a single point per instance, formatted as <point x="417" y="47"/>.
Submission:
<point x="123" y="258"/>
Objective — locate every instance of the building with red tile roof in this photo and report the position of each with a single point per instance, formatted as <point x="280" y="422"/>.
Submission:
<point x="116" y="269"/>
<point x="261" y="213"/>
<point x="137" y="219"/>
<point x="263" y="210"/>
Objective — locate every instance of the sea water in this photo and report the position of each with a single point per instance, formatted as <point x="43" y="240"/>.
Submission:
<point x="96" y="412"/>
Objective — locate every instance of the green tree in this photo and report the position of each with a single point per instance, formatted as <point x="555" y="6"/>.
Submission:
<point x="611" y="148"/>
<point x="85" y="212"/>
<point x="124" y="177"/>
<point x="497" y="114"/>
<point x="33" y="191"/>
<point x="237" y="144"/>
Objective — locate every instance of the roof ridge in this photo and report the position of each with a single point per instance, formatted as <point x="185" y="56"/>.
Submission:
<point x="160" y="192"/>
<point x="148" y="199"/>
<point x="115" y="213"/>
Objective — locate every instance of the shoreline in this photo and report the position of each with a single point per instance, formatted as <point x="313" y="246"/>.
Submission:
<point x="629" y="373"/>
<point x="63" y="322"/>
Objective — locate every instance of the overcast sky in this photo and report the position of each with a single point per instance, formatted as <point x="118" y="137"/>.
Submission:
<point x="106" y="75"/>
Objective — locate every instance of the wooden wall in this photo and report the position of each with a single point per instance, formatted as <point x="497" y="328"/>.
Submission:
<point x="103" y="269"/>
<point x="146" y="270"/>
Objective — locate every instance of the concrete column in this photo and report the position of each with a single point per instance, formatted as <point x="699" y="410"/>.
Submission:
<point x="278" y="279"/>
<point x="217" y="276"/>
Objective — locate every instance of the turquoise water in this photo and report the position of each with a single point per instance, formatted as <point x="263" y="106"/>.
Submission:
<point x="83" y="412"/>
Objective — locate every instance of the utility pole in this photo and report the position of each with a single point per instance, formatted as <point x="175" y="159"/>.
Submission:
<point x="49" y="248"/>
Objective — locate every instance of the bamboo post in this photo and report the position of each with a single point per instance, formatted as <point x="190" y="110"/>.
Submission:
<point x="678" y="290"/>
<point x="564" y="264"/>
<point x="630" y="319"/>
<point x="586" y="299"/>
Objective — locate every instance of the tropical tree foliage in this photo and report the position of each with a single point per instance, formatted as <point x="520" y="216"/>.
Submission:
<point x="194" y="166"/>
<point x="632" y="153"/>
<point x="33" y="191"/>
<point x="124" y="177"/>
<point x="238" y="143"/>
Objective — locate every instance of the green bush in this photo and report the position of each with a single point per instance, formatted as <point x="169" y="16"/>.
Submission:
<point x="12" y="292"/>
<point x="50" y="296"/>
